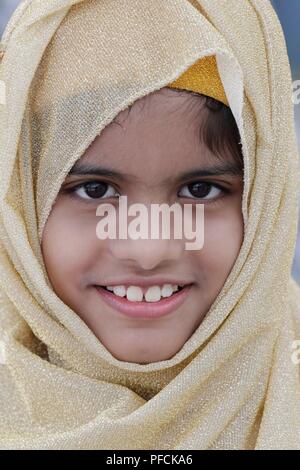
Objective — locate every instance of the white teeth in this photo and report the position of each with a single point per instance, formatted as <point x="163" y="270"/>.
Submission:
<point x="153" y="294"/>
<point x="167" y="290"/>
<point x="135" y="293"/>
<point x="119" y="290"/>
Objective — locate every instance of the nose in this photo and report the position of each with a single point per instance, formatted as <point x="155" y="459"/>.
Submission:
<point x="146" y="254"/>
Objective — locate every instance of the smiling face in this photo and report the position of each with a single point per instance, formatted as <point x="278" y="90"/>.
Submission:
<point x="151" y="147"/>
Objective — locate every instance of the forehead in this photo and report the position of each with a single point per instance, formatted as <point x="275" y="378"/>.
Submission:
<point x="154" y="139"/>
<point x="164" y="102"/>
<point x="164" y="113"/>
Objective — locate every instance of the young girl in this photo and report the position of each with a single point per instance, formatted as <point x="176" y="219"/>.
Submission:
<point x="142" y="344"/>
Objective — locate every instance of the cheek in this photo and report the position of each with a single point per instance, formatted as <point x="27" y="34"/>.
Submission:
<point x="223" y="237"/>
<point x="68" y="246"/>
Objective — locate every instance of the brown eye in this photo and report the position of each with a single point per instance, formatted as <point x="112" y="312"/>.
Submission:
<point x="202" y="189"/>
<point x="94" y="190"/>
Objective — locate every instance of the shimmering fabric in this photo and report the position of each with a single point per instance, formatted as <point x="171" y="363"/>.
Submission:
<point x="70" y="67"/>
<point x="202" y="77"/>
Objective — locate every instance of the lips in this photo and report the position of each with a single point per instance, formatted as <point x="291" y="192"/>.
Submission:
<point x="144" y="309"/>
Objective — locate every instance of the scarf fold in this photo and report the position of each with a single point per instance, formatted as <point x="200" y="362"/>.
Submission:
<point x="69" y="67"/>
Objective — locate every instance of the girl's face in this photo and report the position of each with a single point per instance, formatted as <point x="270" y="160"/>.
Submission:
<point x="151" y="148"/>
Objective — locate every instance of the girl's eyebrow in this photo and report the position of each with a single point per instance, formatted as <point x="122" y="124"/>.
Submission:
<point x="222" y="169"/>
<point x="83" y="169"/>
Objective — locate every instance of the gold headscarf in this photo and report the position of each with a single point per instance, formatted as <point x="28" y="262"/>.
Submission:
<point x="69" y="67"/>
<point x="202" y="77"/>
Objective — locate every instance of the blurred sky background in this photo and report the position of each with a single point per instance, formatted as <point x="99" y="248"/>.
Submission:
<point x="289" y="15"/>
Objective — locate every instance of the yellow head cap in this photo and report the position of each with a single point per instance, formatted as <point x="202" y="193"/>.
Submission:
<point x="202" y="77"/>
